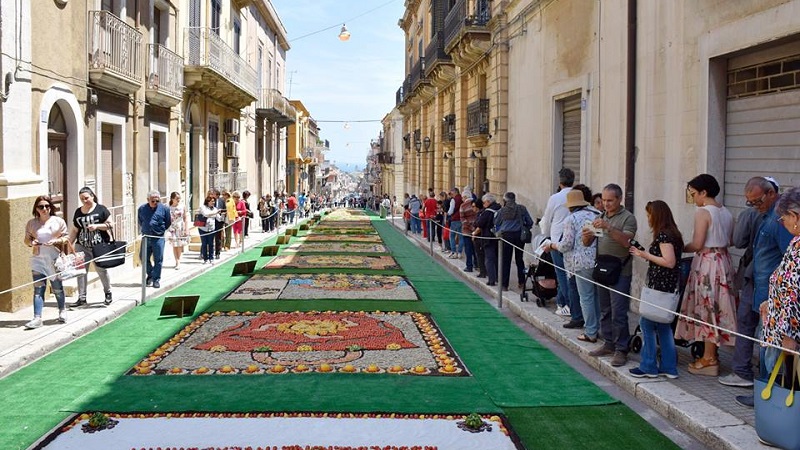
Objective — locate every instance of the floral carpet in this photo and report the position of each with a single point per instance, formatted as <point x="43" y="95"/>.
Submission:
<point x="297" y="342"/>
<point x="333" y="262"/>
<point x="343" y="247"/>
<point x="324" y="286"/>
<point x="334" y="238"/>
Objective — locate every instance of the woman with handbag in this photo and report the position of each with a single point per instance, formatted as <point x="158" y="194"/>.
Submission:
<point x="179" y="229"/>
<point x="208" y="231"/>
<point x="91" y="223"/>
<point x="241" y="216"/>
<point x="45" y="232"/>
<point x="710" y="296"/>
<point x="663" y="276"/>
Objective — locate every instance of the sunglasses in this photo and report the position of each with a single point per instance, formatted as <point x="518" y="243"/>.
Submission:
<point x="42" y="206"/>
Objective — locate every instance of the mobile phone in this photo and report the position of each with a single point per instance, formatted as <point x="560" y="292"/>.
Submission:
<point x="636" y="244"/>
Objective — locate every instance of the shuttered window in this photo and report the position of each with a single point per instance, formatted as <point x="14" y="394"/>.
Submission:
<point x="571" y="135"/>
<point x="213" y="147"/>
<point x="106" y="194"/>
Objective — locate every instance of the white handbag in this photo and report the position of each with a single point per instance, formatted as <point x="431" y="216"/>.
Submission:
<point x="652" y="298"/>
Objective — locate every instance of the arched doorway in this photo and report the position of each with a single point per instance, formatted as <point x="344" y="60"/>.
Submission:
<point x="57" y="159"/>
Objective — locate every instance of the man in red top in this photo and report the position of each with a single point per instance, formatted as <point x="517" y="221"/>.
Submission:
<point x="429" y="206"/>
<point x="291" y="206"/>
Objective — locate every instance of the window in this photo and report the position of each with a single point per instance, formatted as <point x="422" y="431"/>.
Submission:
<point x="157" y="26"/>
<point x="764" y="78"/>
<point x="216" y="15"/>
<point x="237" y="36"/>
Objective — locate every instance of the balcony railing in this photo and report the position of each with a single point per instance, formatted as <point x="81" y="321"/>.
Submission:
<point x="417" y="73"/>
<point x="115" y="53"/>
<point x="399" y="96"/>
<point x="205" y="48"/>
<point x="124" y="220"/>
<point x="228" y="180"/>
<point x="275" y="107"/>
<point x="459" y="18"/>
<point x="434" y="53"/>
<point x="449" y="128"/>
<point x="165" y="75"/>
<point x="478" y="118"/>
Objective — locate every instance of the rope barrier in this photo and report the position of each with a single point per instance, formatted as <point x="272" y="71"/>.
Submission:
<point x="600" y="286"/>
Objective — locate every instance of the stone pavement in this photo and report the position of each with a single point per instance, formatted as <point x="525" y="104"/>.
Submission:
<point x="19" y="347"/>
<point x="699" y="405"/>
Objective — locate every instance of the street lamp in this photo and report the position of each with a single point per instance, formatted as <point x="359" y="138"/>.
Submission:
<point x="418" y="145"/>
<point x="344" y="35"/>
<point x="427" y="142"/>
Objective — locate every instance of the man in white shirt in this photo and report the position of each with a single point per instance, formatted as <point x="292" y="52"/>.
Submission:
<point x="552" y="225"/>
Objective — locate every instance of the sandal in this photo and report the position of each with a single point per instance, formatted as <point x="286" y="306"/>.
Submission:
<point x="585" y="338"/>
<point x="703" y="366"/>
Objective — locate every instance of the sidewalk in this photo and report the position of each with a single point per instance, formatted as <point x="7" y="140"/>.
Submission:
<point x="699" y="405"/>
<point x="19" y="347"/>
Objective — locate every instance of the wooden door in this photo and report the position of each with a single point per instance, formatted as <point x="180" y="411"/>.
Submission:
<point x="56" y="172"/>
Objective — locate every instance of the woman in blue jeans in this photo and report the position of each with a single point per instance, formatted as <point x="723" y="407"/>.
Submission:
<point x="663" y="274"/>
<point x="207" y="232"/>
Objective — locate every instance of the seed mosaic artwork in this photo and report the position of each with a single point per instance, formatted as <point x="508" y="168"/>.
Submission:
<point x="333" y="262"/>
<point x="346" y="286"/>
<point x="340" y="238"/>
<point x="297" y="342"/>
<point x="344" y="247"/>
<point x="259" y="288"/>
<point x="284" y="430"/>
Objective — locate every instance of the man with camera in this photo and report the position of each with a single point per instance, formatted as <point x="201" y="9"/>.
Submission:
<point x="618" y="226"/>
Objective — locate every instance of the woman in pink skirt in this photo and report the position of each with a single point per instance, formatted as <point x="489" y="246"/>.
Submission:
<point x="710" y="296"/>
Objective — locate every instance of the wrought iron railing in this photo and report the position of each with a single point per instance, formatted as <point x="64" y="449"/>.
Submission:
<point x="204" y="48"/>
<point x="165" y="70"/>
<point x="478" y="117"/>
<point x="399" y="96"/>
<point x="274" y="99"/>
<point x="227" y="180"/>
<point x="435" y="53"/>
<point x="449" y="128"/>
<point x="115" y="46"/>
<point x="459" y="18"/>
<point x="125" y="227"/>
<point x="417" y="73"/>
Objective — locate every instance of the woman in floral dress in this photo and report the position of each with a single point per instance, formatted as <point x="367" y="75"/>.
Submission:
<point x="781" y="312"/>
<point x="710" y="296"/>
<point x="179" y="230"/>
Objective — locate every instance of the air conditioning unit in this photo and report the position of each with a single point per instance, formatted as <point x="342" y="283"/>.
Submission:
<point x="232" y="150"/>
<point x="232" y="127"/>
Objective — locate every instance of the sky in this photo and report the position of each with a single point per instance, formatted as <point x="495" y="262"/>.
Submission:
<point x="344" y="81"/>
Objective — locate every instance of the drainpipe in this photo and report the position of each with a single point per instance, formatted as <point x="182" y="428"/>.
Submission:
<point x="630" y="116"/>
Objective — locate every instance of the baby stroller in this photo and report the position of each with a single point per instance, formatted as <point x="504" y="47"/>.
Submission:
<point x="542" y="276"/>
<point x="696" y="347"/>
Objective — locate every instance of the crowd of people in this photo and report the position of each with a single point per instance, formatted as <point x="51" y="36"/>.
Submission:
<point x="592" y="240"/>
<point x="222" y="222"/>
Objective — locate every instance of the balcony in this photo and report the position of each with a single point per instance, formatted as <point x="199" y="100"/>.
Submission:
<point x="439" y="67"/>
<point x="399" y="96"/>
<point x="231" y="181"/>
<point x="385" y="158"/>
<point x="165" y="76"/>
<point x="467" y="37"/>
<point x="274" y="107"/>
<point x="417" y="74"/>
<point x="115" y="53"/>
<point x="215" y="70"/>
<point x="478" y="120"/>
<point x="449" y="129"/>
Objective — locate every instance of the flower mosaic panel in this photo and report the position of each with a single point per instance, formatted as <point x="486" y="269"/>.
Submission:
<point x="342" y="247"/>
<point x="259" y="288"/>
<point x="276" y="343"/>
<point x="351" y="287"/>
<point x="340" y="238"/>
<point x="354" y="229"/>
<point x="282" y="430"/>
<point x="333" y="262"/>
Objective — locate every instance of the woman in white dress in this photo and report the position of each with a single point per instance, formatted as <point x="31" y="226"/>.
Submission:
<point x="44" y="233"/>
<point x="179" y="230"/>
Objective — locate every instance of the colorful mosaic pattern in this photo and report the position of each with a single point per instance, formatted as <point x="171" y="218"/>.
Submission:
<point x="342" y="247"/>
<point x="341" y="238"/>
<point x="259" y="288"/>
<point x="296" y="342"/>
<point x="324" y="286"/>
<point x="342" y="230"/>
<point x="333" y="262"/>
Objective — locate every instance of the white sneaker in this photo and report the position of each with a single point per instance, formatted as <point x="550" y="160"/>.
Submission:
<point x="35" y="323"/>
<point x="563" y="311"/>
<point x="62" y="316"/>
<point x="735" y="380"/>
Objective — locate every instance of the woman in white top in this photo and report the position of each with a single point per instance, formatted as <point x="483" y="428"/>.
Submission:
<point x="710" y="296"/>
<point x="45" y="232"/>
<point x="179" y="229"/>
<point x="207" y="232"/>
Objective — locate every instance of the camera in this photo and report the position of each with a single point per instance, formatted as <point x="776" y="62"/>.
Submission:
<point x="636" y="244"/>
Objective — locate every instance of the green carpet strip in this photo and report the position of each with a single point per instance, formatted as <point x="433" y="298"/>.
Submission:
<point x="550" y="405"/>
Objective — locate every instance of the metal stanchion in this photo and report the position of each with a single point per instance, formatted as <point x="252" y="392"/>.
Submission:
<point x="143" y="261"/>
<point x="500" y="270"/>
<point x="430" y="225"/>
